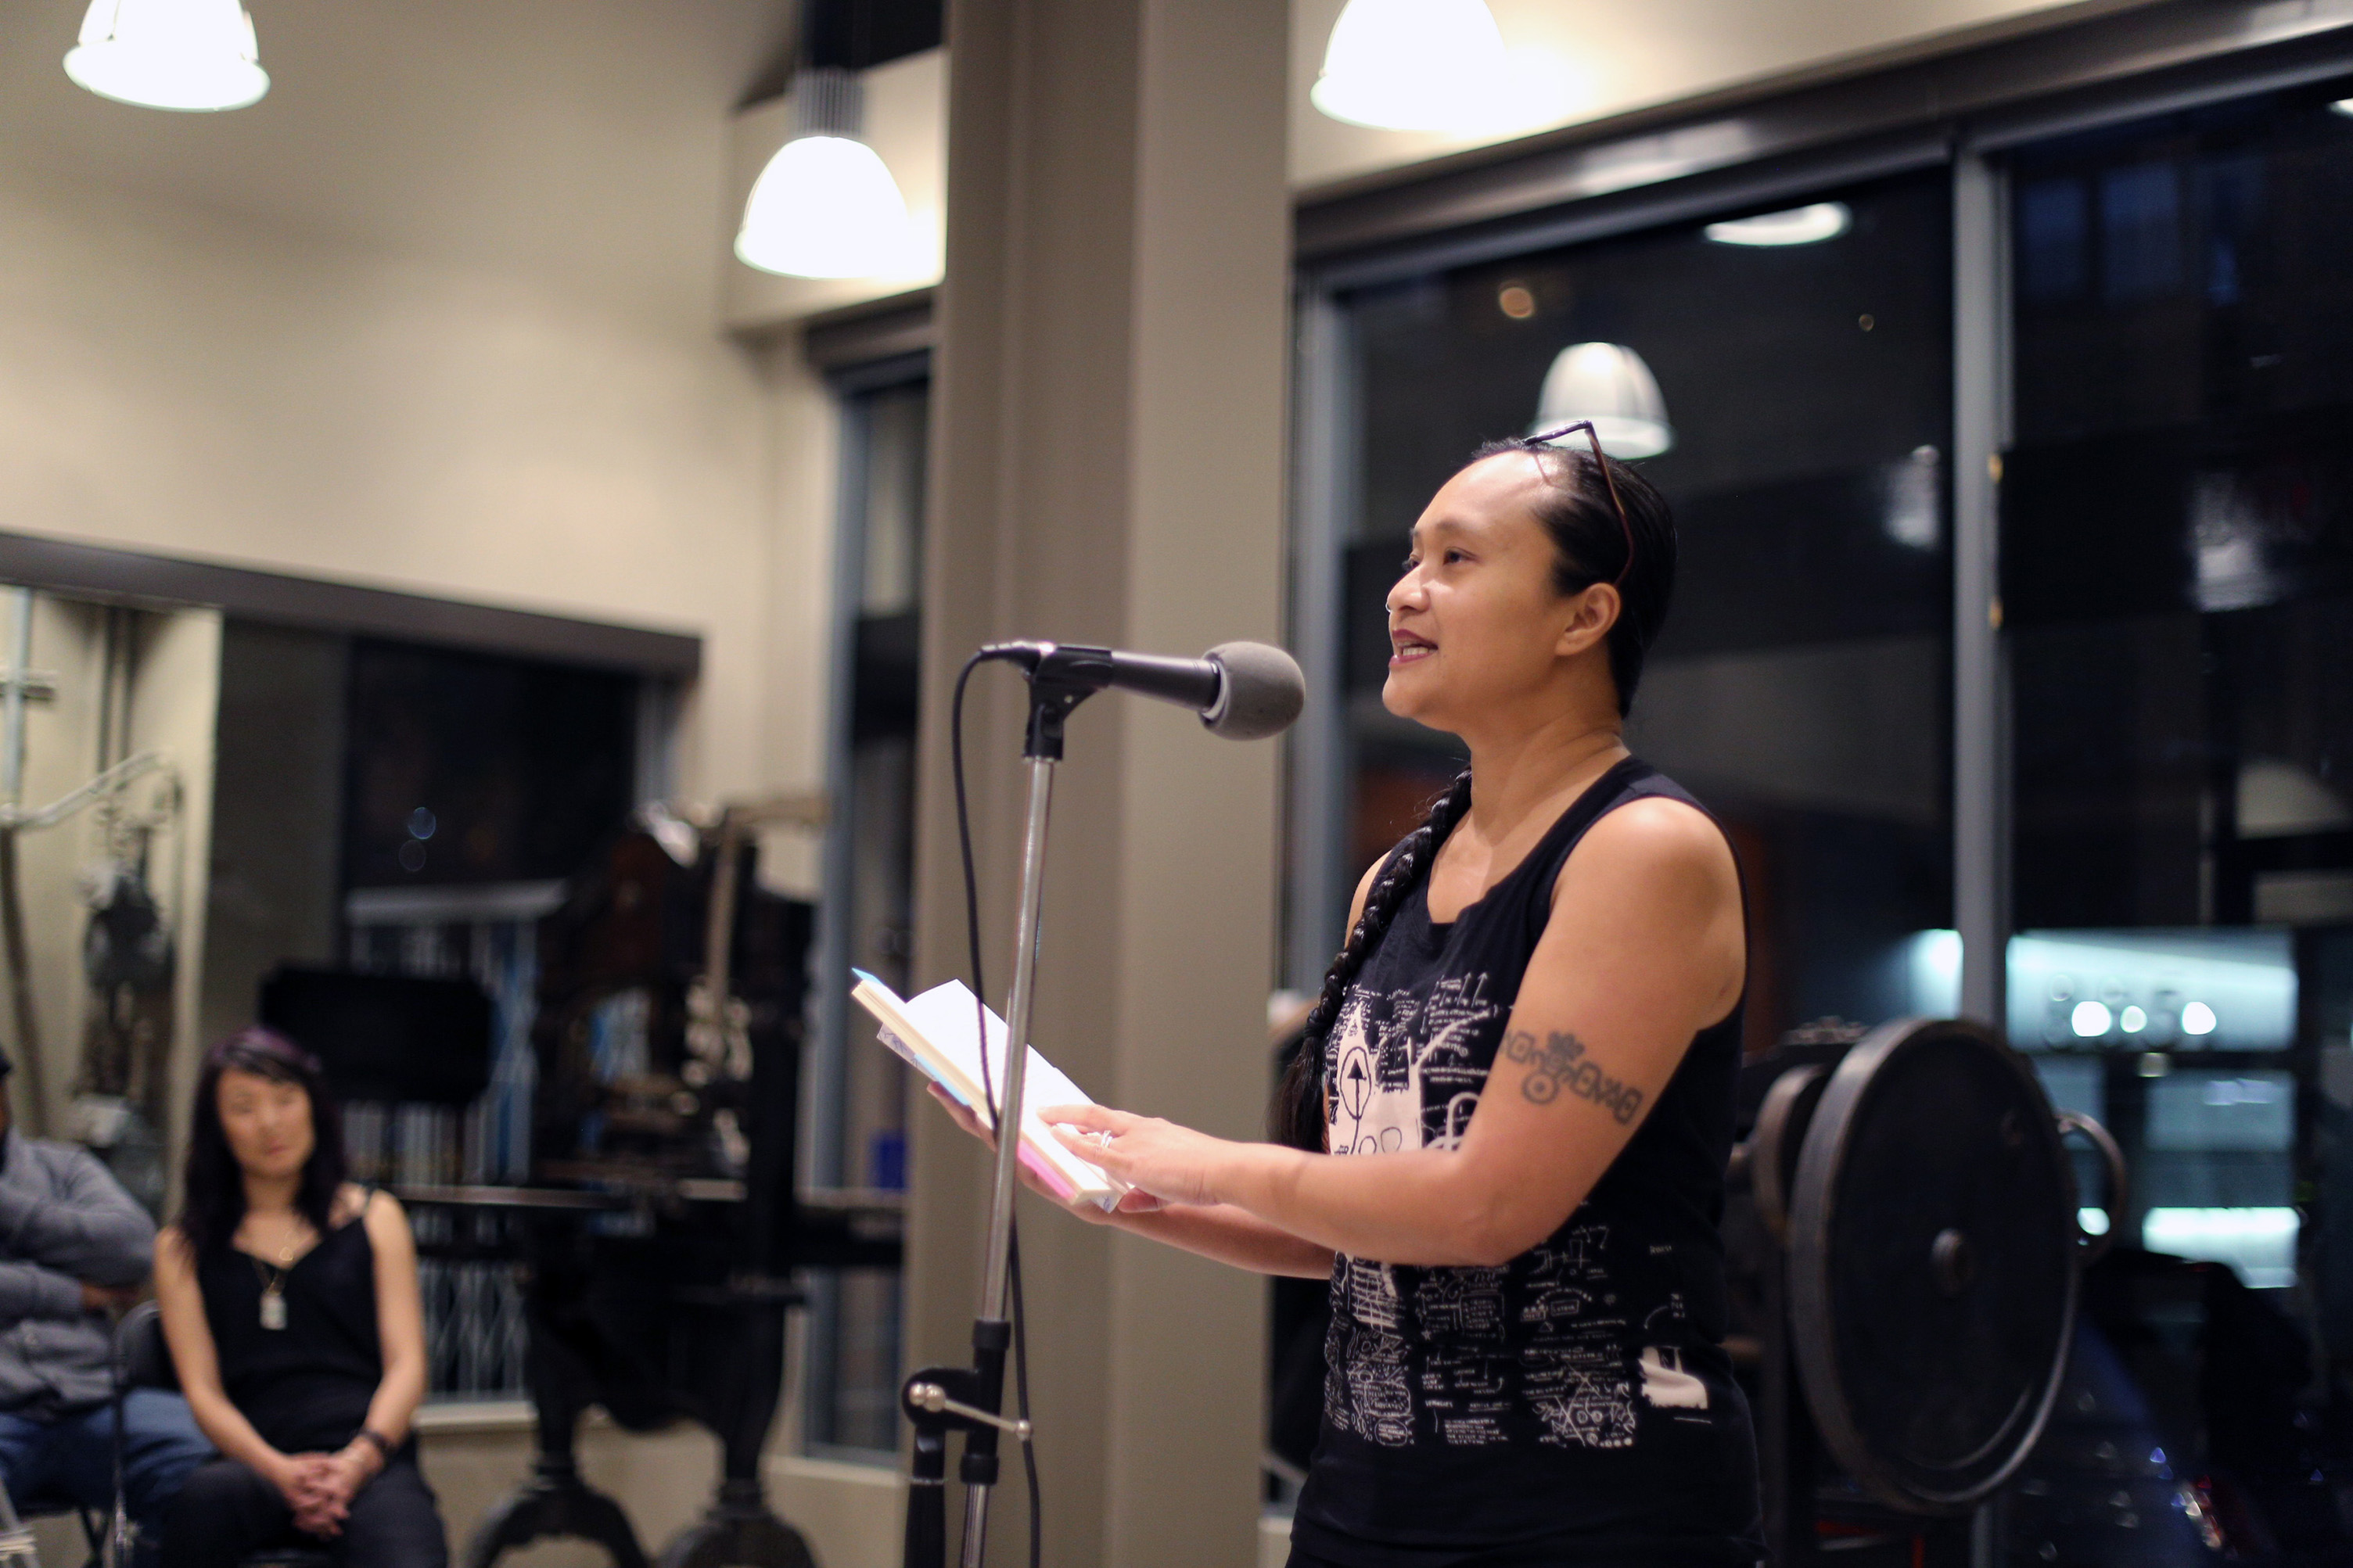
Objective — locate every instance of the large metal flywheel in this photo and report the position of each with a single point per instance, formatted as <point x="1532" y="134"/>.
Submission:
<point x="1933" y="1256"/>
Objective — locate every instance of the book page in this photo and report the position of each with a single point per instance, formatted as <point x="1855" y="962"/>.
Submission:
<point x="937" y="1033"/>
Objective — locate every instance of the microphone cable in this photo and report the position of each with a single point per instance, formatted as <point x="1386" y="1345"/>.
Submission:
<point x="989" y="1094"/>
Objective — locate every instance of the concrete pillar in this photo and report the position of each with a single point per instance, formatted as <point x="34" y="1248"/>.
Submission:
<point x="1107" y="467"/>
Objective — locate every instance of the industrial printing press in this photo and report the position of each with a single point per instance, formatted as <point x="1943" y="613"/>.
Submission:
<point x="659" y="1239"/>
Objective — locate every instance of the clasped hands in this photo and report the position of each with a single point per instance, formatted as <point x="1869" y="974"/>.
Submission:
<point x="318" y="1487"/>
<point x="1162" y="1162"/>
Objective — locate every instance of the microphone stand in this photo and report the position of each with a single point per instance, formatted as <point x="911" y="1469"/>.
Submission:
<point x="938" y="1400"/>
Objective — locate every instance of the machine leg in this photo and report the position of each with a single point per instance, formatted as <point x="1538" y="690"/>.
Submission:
<point x="1990" y="1533"/>
<point x="738" y="1531"/>
<point x="555" y="1502"/>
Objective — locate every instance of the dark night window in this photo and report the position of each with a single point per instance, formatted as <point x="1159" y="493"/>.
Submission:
<point x="1801" y="686"/>
<point x="472" y="768"/>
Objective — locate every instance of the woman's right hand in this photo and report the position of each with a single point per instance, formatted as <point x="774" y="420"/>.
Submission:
<point x="318" y="1487"/>
<point x="295" y="1476"/>
<point x="1137" y="1202"/>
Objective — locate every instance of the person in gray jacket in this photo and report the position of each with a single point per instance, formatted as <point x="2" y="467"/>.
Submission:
<point x="75" y="1247"/>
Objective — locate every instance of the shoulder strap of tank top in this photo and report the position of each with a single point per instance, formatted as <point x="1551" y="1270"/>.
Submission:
<point x="1639" y="779"/>
<point x="1629" y="779"/>
<point x="1609" y="790"/>
<point x="368" y="1191"/>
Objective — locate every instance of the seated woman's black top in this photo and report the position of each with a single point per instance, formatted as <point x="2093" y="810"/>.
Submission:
<point x="305" y="1386"/>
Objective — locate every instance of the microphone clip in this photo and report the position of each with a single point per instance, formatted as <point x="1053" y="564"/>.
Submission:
<point x="1061" y="675"/>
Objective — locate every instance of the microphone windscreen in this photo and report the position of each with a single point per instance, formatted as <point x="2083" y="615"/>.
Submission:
<point x="1263" y="691"/>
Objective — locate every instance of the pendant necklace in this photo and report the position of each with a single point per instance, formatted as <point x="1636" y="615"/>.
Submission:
<point x="273" y="1288"/>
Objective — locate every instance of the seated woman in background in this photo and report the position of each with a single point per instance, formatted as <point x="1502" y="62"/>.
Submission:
<point x="290" y="1304"/>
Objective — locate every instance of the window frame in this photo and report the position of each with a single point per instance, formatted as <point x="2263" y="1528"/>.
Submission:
<point x="825" y="1072"/>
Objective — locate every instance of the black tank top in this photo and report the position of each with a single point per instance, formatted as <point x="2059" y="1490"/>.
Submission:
<point x="306" y="1386"/>
<point x="1575" y="1405"/>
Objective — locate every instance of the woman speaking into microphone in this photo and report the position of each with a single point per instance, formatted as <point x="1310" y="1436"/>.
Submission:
<point x="1504" y="1136"/>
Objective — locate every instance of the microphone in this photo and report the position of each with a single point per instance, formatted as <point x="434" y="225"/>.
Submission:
<point x="1242" y="690"/>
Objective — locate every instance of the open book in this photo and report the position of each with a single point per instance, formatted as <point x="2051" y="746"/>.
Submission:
<point x="935" y="1031"/>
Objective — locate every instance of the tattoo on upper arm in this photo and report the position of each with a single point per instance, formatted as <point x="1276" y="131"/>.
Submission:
<point x="1560" y="1063"/>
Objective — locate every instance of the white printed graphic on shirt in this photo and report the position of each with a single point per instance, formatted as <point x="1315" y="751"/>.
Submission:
<point x="1664" y="1381"/>
<point x="1402" y="1075"/>
<point x="1385" y="1056"/>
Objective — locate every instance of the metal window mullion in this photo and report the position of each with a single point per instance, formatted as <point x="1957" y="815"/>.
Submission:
<point x="1323" y="510"/>
<point x="1981" y="846"/>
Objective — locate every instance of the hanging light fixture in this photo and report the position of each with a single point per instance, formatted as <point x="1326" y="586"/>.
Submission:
<point x="1416" y="65"/>
<point x="169" y="54"/>
<point x="2343" y="106"/>
<point x="826" y="205"/>
<point x="1609" y="385"/>
<point x="1798" y="225"/>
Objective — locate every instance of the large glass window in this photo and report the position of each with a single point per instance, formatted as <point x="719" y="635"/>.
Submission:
<point x="2174" y="683"/>
<point x="2177" y="541"/>
<point x="2176" y="546"/>
<point x="1801" y="685"/>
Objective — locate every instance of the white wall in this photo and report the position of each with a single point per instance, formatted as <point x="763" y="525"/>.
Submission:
<point x="1598" y="60"/>
<point x="442" y="313"/>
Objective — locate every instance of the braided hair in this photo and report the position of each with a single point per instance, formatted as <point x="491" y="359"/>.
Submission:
<point x="1298" y="1117"/>
<point x="1589" y="545"/>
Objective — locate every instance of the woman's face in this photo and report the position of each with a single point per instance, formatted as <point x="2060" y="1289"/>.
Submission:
<point x="267" y="1123"/>
<point x="1476" y="626"/>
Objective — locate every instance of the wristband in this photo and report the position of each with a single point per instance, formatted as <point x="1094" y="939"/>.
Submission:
<point x="378" y="1441"/>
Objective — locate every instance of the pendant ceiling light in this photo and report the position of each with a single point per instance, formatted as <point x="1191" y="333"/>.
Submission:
<point x="1798" y="225"/>
<point x="1609" y="385"/>
<point x="826" y="205"/>
<point x="169" y="54"/>
<point x="2343" y="106"/>
<point x="1416" y="65"/>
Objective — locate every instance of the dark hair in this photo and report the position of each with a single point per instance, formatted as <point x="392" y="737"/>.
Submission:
<point x="1589" y="545"/>
<point x="212" y="1203"/>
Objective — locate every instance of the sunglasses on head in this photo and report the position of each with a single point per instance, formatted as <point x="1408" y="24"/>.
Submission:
<point x="1539" y="443"/>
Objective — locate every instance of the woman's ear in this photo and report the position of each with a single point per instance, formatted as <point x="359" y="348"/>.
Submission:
<point x="1593" y="610"/>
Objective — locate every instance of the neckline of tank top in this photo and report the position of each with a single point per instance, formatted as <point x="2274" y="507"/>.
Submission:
<point x="306" y="1252"/>
<point x="1626" y="764"/>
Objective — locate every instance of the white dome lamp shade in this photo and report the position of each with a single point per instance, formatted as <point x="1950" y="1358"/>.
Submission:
<point x="826" y="205"/>
<point x="189" y="54"/>
<point x="1609" y="385"/>
<point x="1416" y="65"/>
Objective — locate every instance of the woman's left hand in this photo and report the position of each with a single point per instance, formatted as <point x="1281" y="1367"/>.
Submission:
<point x="327" y="1500"/>
<point x="322" y="1498"/>
<point x="1173" y="1163"/>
